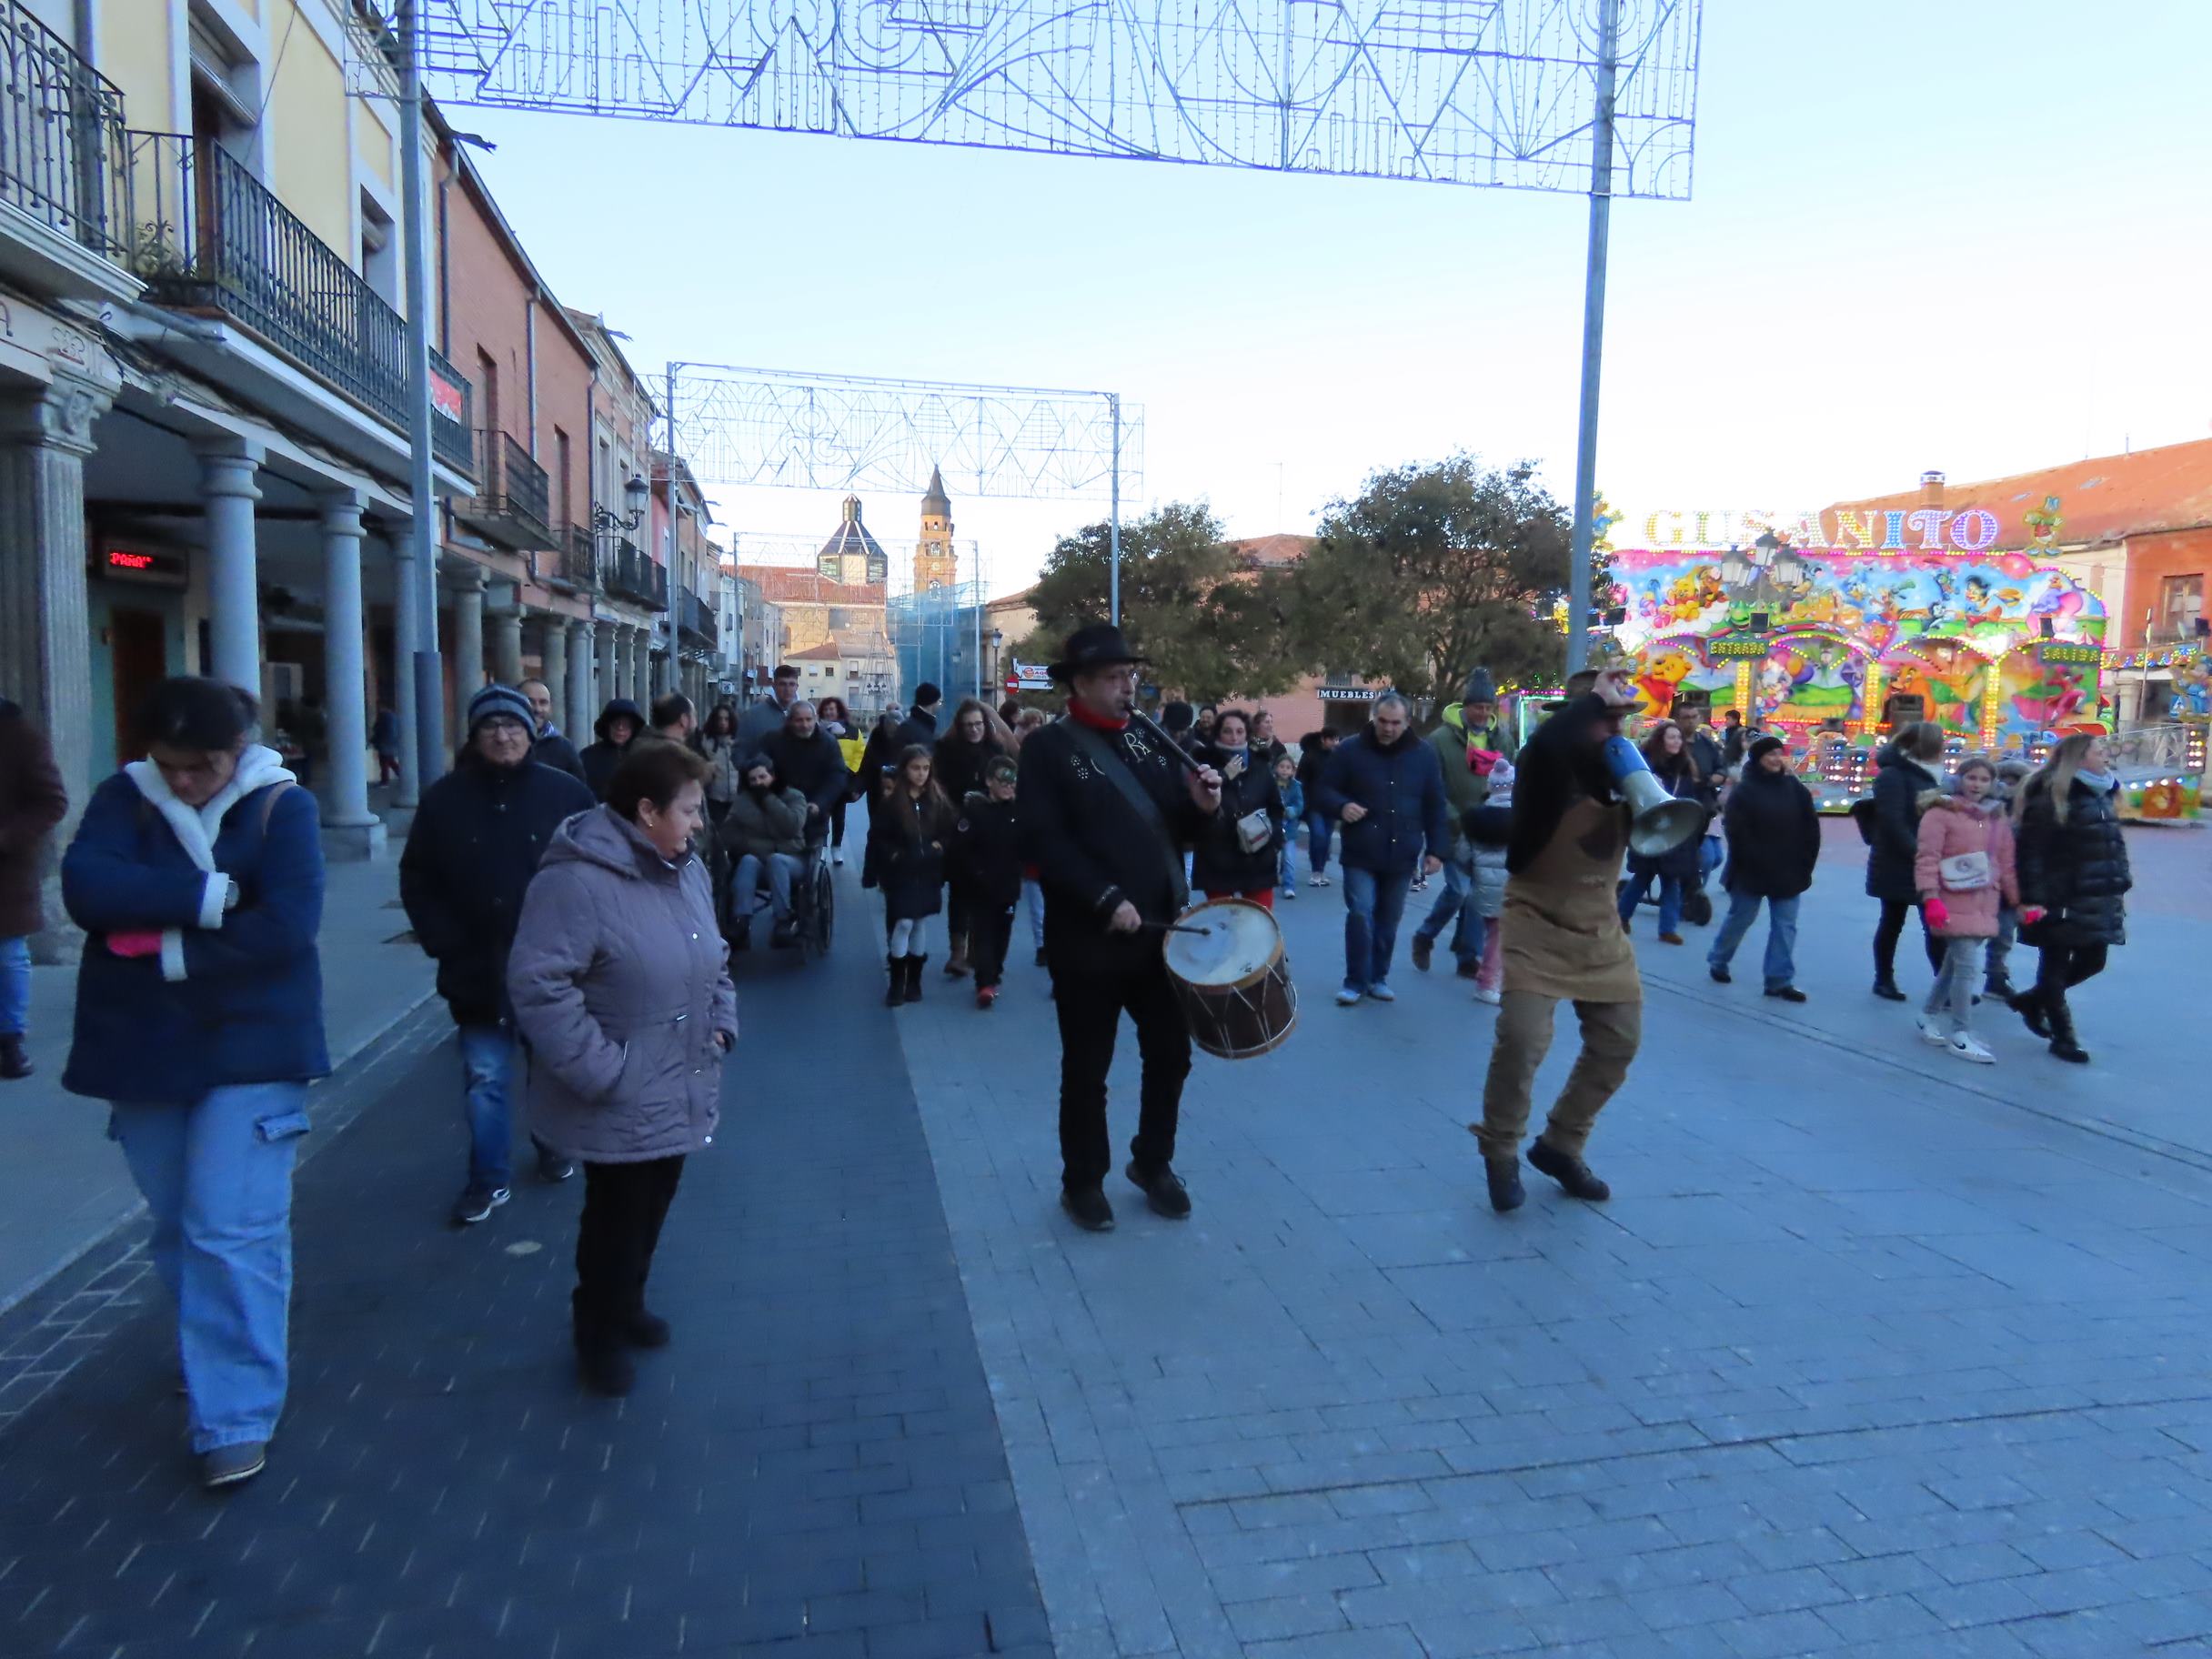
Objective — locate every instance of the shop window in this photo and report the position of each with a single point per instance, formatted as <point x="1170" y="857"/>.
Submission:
<point x="2181" y="605"/>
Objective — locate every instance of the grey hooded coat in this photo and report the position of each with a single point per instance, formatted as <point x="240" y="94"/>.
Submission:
<point x="620" y="984"/>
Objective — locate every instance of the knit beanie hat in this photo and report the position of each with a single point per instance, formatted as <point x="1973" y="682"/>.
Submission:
<point x="1760" y="745"/>
<point x="494" y="701"/>
<point x="1502" y="783"/>
<point x="1482" y="688"/>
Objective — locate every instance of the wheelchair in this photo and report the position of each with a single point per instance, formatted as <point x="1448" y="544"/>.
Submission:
<point x="813" y="905"/>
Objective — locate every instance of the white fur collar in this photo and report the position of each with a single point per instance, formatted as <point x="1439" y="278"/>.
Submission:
<point x="196" y="831"/>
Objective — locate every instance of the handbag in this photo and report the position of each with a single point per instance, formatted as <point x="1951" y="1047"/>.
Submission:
<point x="1255" y="829"/>
<point x="1963" y="872"/>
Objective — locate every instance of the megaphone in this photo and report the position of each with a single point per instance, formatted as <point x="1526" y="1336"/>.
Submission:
<point x="1658" y="822"/>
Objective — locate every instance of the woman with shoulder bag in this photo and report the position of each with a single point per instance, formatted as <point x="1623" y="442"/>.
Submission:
<point x="197" y="877"/>
<point x="1668" y="752"/>
<point x="620" y="985"/>
<point x="2073" y="863"/>
<point x="1964" y="875"/>
<point x="1238" y="857"/>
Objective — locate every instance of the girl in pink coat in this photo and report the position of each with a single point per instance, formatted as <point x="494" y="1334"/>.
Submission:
<point x="1965" y="876"/>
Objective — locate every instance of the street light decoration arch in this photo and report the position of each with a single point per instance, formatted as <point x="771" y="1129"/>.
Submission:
<point x="1501" y="92"/>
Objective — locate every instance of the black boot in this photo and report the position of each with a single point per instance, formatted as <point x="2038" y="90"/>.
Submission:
<point x="897" y="994"/>
<point x="914" y="965"/>
<point x="1887" y="988"/>
<point x="2028" y="1005"/>
<point x="2063" y="1043"/>
<point x="1570" y="1171"/>
<point x="14" y="1062"/>
<point x="1506" y="1192"/>
<point x="1998" y="988"/>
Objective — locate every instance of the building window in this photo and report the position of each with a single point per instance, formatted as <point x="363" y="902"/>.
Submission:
<point x="2181" y="602"/>
<point x="379" y="252"/>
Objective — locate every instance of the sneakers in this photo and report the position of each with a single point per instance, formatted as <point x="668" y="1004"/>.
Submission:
<point x="1506" y="1192"/>
<point x="1887" y="991"/>
<point x="476" y="1202"/>
<point x="13" y="1062"/>
<point x="1164" y="1190"/>
<point x="1785" y="994"/>
<point x="1348" y="997"/>
<point x="1382" y="992"/>
<point x="1484" y="993"/>
<point x="837" y="856"/>
<point x="230" y="1466"/>
<point x="1290" y="892"/>
<point x="1965" y="1048"/>
<point x="1423" y="950"/>
<point x="1572" y="1173"/>
<point x="1930" y="1032"/>
<point x="552" y="1166"/>
<point x="1088" y="1209"/>
<point x="1317" y="880"/>
<point x="987" y="998"/>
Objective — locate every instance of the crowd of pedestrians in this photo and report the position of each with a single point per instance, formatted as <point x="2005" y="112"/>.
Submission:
<point x="581" y="907"/>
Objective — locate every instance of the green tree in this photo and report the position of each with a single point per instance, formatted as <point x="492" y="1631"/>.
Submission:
<point x="1213" y="624"/>
<point x="1432" y="570"/>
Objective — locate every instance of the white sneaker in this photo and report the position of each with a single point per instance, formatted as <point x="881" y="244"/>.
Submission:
<point x="1380" y="993"/>
<point x="1931" y="1033"/>
<point x="1966" y="1048"/>
<point x="1483" y="994"/>
<point x="1348" y="997"/>
<point x="838" y="856"/>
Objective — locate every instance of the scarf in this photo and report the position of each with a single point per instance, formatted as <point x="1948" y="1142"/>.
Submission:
<point x="2104" y="783"/>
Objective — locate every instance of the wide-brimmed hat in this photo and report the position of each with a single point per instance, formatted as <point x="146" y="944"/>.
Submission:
<point x="1098" y="646"/>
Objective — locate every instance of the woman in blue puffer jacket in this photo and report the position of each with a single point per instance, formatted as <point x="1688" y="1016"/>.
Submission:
<point x="198" y="876"/>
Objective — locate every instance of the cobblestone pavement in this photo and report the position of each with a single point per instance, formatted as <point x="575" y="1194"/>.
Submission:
<point x="813" y="1468"/>
<point x="1872" y="1352"/>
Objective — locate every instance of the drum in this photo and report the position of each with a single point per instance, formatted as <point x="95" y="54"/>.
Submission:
<point x="1233" y="978"/>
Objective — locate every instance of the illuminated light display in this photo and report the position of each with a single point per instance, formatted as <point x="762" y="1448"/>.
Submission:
<point x="1981" y="520"/>
<point x="1925" y="529"/>
<point x="119" y="560"/>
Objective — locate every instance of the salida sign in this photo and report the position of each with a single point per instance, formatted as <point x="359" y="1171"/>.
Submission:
<point x="1920" y="529"/>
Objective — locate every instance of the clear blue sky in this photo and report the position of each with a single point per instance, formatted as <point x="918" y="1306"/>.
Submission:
<point x="1960" y="234"/>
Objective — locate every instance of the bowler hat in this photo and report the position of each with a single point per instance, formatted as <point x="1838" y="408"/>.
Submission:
<point x="1098" y="646"/>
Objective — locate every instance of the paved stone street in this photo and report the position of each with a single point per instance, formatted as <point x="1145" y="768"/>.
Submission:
<point x="1872" y="1352"/>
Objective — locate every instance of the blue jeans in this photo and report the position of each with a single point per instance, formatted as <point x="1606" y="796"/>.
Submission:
<point x="1456" y="904"/>
<point x="782" y="868"/>
<point x="1032" y="896"/>
<point x="1318" y="826"/>
<point x="217" y="1176"/>
<point x="1373" y="903"/>
<point x="15" y="986"/>
<point x="1286" y="864"/>
<point x="1670" y="900"/>
<point x="1780" y="967"/>
<point x="487" y="1071"/>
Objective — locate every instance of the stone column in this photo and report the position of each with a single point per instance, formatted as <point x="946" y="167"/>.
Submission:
<point x="609" y="676"/>
<point x="234" y="582"/>
<point x="577" y="713"/>
<point x="467" y="638"/>
<point x="554" y="671"/>
<point x="506" y="640"/>
<point x="46" y="632"/>
<point x="351" y="830"/>
<point x="626" y="664"/>
<point x="641" y="668"/>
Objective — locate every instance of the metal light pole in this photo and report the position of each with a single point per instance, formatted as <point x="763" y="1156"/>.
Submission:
<point x="1113" y="531"/>
<point x="430" y="674"/>
<point x="1593" y="333"/>
<point x="675" y="671"/>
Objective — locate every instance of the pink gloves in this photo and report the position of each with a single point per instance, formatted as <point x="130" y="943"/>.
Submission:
<point x="145" y="943"/>
<point x="2032" y="913"/>
<point x="1938" y="913"/>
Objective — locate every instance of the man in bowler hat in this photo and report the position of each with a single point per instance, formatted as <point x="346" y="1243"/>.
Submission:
<point x="1106" y="811"/>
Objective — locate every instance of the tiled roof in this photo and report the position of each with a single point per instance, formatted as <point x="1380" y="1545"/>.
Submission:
<point x="828" y="652"/>
<point x="2104" y="500"/>
<point x="783" y="585"/>
<point x="1280" y="549"/>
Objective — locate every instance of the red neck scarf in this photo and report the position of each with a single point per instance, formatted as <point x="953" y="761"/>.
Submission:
<point x="1082" y="716"/>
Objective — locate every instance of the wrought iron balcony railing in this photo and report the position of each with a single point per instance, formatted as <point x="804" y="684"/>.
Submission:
<point x="64" y="149"/>
<point x="575" y="564"/>
<point x="513" y="494"/>
<point x="632" y="574"/>
<point x="207" y="236"/>
<point x="694" y="616"/>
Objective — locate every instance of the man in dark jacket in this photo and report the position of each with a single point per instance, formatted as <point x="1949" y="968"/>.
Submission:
<point x="920" y="727"/>
<point x="1774" y="841"/>
<point x="1105" y="813"/>
<point x="31" y="802"/>
<point x="1468" y="725"/>
<point x="475" y="844"/>
<point x="549" y="748"/>
<point x="1906" y="767"/>
<point x="1386" y="788"/>
<point x="618" y="725"/>
<point x="765" y="719"/>
<point x="807" y="758"/>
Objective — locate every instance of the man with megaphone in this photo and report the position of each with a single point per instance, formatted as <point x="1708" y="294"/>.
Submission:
<point x="1574" y="813"/>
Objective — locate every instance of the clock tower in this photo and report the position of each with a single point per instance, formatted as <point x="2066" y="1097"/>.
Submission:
<point x="936" y="564"/>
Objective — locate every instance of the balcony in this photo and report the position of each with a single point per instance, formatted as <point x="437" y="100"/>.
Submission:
<point x="64" y="173"/>
<point x="513" y="497"/>
<point x="208" y="236"/>
<point x="696" y="621"/>
<point x="574" y="564"/>
<point x="631" y="574"/>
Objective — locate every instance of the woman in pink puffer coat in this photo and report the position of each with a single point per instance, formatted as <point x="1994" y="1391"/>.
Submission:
<point x="1963" y="872"/>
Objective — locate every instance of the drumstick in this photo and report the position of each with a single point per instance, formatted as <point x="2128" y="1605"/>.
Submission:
<point x="1174" y="927"/>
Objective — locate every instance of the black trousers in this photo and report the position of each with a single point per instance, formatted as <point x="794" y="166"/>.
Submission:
<point x="2060" y="967"/>
<point x="990" y="928"/>
<point x="837" y="823"/>
<point x="1891" y="928"/>
<point x="624" y="1206"/>
<point x="1090" y="1007"/>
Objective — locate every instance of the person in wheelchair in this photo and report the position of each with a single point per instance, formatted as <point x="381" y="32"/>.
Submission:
<point x="765" y="840"/>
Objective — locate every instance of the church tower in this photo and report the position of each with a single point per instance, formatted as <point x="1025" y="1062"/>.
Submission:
<point x="936" y="565"/>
